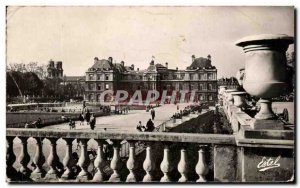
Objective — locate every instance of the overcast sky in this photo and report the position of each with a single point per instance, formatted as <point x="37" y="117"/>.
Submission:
<point x="75" y="35"/>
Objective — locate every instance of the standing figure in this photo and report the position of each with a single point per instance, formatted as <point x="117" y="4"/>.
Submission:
<point x="92" y="122"/>
<point x="87" y="116"/>
<point x="152" y="114"/>
<point x="71" y="124"/>
<point x="81" y="118"/>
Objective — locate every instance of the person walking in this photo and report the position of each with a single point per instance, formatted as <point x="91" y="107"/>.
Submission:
<point x="71" y="124"/>
<point x="81" y="118"/>
<point x="153" y="114"/>
<point x="92" y="122"/>
<point x="87" y="116"/>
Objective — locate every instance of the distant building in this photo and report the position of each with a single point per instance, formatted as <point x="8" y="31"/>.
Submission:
<point x="231" y="83"/>
<point x="78" y="82"/>
<point x="54" y="69"/>
<point x="200" y="76"/>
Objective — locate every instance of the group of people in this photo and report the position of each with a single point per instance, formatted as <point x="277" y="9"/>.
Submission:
<point x="88" y="117"/>
<point x="122" y="110"/>
<point x="35" y="124"/>
<point x="148" y="128"/>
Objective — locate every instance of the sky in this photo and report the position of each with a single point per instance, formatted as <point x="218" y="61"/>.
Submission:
<point x="75" y="35"/>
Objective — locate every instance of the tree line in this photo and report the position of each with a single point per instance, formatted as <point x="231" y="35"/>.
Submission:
<point x="31" y="80"/>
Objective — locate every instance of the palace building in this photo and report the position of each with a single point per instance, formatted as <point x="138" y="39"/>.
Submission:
<point x="200" y="76"/>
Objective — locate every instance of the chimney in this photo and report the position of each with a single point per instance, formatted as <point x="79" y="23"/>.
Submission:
<point x="209" y="57"/>
<point x="122" y="63"/>
<point x="152" y="62"/>
<point x="96" y="59"/>
<point x="176" y="68"/>
<point x="132" y="66"/>
<point x="167" y="65"/>
<point x="110" y="60"/>
<point x="193" y="58"/>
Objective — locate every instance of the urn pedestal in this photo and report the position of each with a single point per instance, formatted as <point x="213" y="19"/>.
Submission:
<point x="239" y="99"/>
<point x="265" y="69"/>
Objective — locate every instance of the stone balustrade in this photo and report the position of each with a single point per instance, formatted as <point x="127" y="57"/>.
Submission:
<point x="58" y="174"/>
<point x="259" y="141"/>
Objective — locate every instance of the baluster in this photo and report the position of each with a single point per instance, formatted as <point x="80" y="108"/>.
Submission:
<point x="99" y="163"/>
<point x="183" y="166"/>
<point x="24" y="158"/>
<point x="10" y="159"/>
<point x="83" y="162"/>
<point x="115" y="163"/>
<point x="131" y="163"/>
<point x="165" y="165"/>
<point x="201" y="168"/>
<point x="68" y="160"/>
<point x="148" y="165"/>
<point x="52" y="161"/>
<point x="38" y="160"/>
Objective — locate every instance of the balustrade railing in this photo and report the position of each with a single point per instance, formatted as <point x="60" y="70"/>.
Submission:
<point x="116" y="164"/>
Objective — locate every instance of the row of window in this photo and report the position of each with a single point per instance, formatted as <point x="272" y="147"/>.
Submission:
<point x="98" y="87"/>
<point x="201" y="76"/>
<point x="99" y="77"/>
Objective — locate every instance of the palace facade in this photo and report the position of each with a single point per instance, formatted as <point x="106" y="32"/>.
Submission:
<point x="200" y="76"/>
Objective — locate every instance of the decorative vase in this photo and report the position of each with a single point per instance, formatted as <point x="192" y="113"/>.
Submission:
<point x="240" y="76"/>
<point x="265" y="68"/>
<point x="229" y="97"/>
<point x="239" y="99"/>
<point x="222" y="89"/>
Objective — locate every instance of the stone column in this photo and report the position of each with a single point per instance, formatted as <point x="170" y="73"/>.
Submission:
<point x="148" y="164"/>
<point x="99" y="163"/>
<point x="10" y="159"/>
<point x="183" y="166"/>
<point x="24" y="158"/>
<point x="38" y="160"/>
<point x="83" y="162"/>
<point x="165" y="165"/>
<point x="68" y="160"/>
<point x="131" y="163"/>
<point x="116" y="163"/>
<point x="201" y="167"/>
<point x="52" y="174"/>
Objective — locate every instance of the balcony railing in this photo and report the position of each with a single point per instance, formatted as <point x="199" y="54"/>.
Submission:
<point x="136" y="139"/>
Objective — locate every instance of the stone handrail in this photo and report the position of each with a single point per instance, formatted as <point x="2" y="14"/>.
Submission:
<point x="66" y="173"/>
<point x="144" y="136"/>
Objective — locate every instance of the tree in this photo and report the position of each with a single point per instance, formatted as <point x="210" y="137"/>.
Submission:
<point x="39" y="70"/>
<point x="32" y="84"/>
<point x="13" y="81"/>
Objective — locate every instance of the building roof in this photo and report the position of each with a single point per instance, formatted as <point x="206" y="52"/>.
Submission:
<point x="200" y="62"/>
<point x="120" y="67"/>
<point x="102" y="64"/>
<point x="74" y="78"/>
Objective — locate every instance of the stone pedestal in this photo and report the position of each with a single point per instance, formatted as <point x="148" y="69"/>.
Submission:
<point x="259" y="124"/>
<point x="266" y="164"/>
<point x="225" y="163"/>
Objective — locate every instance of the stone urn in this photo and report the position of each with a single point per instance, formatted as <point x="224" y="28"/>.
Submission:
<point x="222" y="89"/>
<point x="239" y="99"/>
<point x="265" y="69"/>
<point x="229" y="97"/>
<point x="240" y="76"/>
